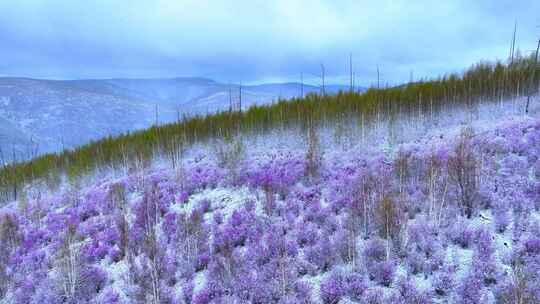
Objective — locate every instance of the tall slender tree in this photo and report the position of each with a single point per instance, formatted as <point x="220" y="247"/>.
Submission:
<point x="532" y="84"/>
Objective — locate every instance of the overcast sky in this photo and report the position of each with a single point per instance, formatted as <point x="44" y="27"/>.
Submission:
<point x="255" y="41"/>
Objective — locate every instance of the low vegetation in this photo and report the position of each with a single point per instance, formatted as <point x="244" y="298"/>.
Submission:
<point x="279" y="227"/>
<point x="484" y="82"/>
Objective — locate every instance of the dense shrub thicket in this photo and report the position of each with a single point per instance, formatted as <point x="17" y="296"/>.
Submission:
<point x="453" y="221"/>
<point x="492" y="82"/>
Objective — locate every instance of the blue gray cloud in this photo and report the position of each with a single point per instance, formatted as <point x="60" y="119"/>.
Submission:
<point x="257" y="40"/>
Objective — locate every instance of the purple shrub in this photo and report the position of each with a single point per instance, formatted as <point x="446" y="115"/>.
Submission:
<point x="462" y="167"/>
<point x="374" y="296"/>
<point x="322" y="254"/>
<point x="147" y="215"/>
<point x="444" y="281"/>
<point x="375" y="251"/>
<point x="203" y="297"/>
<point x="415" y="262"/>
<point x="332" y="288"/>
<point x="383" y="273"/>
<point x="532" y="246"/>
<point x="201" y="174"/>
<point x="236" y="229"/>
<point x="331" y="224"/>
<point x="460" y="233"/>
<point x="95" y="202"/>
<point x="205" y="206"/>
<point x="307" y="231"/>
<point x="202" y="261"/>
<point x="9" y="239"/>
<point x="407" y="292"/>
<point x="102" y="244"/>
<point x="483" y="264"/>
<point x="47" y="292"/>
<point x="424" y="250"/>
<point x="111" y="297"/>
<point x="304" y="267"/>
<point x="169" y="225"/>
<point x="470" y="290"/>
<point x="307" y="234"/>
<point x="24" y="291"/>
<point x="354" y="286"/>
<point x="343" y="244"/>
<point x="302" y="292"/>
<point x="187" y="292"/>
<point x="521" y="287"/>
<point x="484" y="244"/>
<point x="501" y="219"/>
<point x="93" y="281"/>
<point x="276" y="172"/>
<point x="315" y="213"/>
<point x="379" y="270"/>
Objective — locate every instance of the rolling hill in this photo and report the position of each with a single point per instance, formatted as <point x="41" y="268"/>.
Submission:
<point x="40" y="116"/>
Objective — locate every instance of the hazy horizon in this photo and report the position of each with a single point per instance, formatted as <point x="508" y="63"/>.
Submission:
<point x="256" y="41"/>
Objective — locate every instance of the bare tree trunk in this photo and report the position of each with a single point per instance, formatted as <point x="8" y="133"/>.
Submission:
<point x="240" y="98"/>
<point x="230" y="99"/>
<point x="378" y="78"/>
<point x="351" y="74"/>
<point x="323" y="89"/>
<point x="157" y="118"/>
<point x="513" y="45"/>
<point x="301" y="85"/>
<point x="533" y="76"/>
<point x="70" y="265"/>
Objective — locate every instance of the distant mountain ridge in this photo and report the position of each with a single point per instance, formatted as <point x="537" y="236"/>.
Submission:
<point x="38" y="115"/>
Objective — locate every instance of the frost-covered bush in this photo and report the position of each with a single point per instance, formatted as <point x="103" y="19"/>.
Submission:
<point x="379" y="269"/>
<point x="375" y="251"/>
<point x="483" y="264"/>
<point x="471" y="289"/>
<point x="276" y="172"/>
<point x="322" y="254"/>
<point x="93" y="282"/>
<point x="374" y="295"/>
<point x="10" y="238"/>
<point x="407" y="292"/>
<point x="462" y="169"/>
<point x="354" y="285"/>
<point x="444" y="280"/>
<point x="315" y="213"/>
<point x="501" y="220"/>
<point x="307" y="234"/>
<point x="111" y="297"/>
<point x="525" y="279"/>
<point x="461" y="234"/>
<point x="383" y="273"/>
<point x="210" y="292"/>
<point x="190" y="236"/>
<point x="415" y="262"/>
<point x="332" y="288"/>
<point x="424" y="249"/>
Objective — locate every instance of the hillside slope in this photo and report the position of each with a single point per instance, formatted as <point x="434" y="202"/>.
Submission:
<point x="425" y="193"/>
<point x="392" y="115"/>
<point x="40" y="116"/>
<point x="436" y="220"/>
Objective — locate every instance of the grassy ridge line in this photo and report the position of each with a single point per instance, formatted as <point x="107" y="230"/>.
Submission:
<point x="484" y="81"/>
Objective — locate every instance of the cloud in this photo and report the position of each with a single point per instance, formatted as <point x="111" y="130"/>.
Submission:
<point x="257" y="40"/>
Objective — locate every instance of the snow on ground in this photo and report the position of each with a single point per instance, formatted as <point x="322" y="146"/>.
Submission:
<point x="320" y="204"/>
<point x="224" y="200"/>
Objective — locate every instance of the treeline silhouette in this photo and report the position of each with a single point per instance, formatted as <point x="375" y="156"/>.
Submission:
<point x="483" y="82"/>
